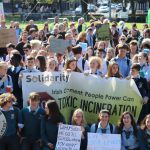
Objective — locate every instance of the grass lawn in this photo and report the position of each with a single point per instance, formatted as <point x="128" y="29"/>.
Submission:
<point x="40" y="25"/>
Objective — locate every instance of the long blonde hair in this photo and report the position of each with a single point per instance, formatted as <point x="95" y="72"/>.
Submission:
<point x="83" y="123"/>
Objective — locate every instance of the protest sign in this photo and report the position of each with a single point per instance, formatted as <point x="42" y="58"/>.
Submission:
<point x="84" y="46"/>
<point x="2" y="15"/>
<point x="69" y="137"/>
<point x="59" y="45"/>
<point x="103" y="32"/>
<point x="3" y="124"/>
<point x="8" y="36"/>
<point x="90" y="93"/>
<point x="97" y="141"/>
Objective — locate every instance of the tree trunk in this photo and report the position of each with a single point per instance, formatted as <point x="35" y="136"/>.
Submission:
<point x="84" y="6"/>
<point x="133" y="9"/>
<point x="60" y="6"/>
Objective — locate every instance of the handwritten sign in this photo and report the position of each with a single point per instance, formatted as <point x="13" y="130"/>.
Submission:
<point x="102" y="32"/>
<point x="8" y="36"/>
<point x="3" y="124"/>
<point x="69" y="137"/>
<point x="97" y="141"/>
<point x="59" y="45"/>
<point x="84" y="46"/>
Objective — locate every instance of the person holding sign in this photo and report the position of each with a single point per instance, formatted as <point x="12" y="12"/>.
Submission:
<point x="10" y="140"/>
<point x="50" y="123"/>
<point x="103" y="125"/>
<point x="29" y="123"/>
<point x="128" y="130"/>
<point x="144" y="134"/>
<point x="79" y="120"/>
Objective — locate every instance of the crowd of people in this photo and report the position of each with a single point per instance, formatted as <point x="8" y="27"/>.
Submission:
<point x="125" y="55"/>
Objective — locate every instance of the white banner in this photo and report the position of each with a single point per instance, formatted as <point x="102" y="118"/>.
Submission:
<point x="90" y="93"/>
<point x="97" y="141"/>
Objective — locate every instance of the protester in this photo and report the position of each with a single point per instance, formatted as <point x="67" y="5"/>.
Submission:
<point x="79" y="120"/>
<point x="123" y="62"/>
<point x="71" y="65"/>
<point x="41" y="63"/>
<point x="51" y="65"/>
<point x="10" y="140"/>
<point x="113" y="70"/>
<point x="5" y="80"/>
<point x="144" y="134"/>
<point x="95" y="65"/>
<point x="103" y="125"/>
<point x="28" y="118"/>
<point x="142" y="86"/>
<point x="128" y="130"/>
<point x="49" y="125"/>
<point x="14" y="72"/>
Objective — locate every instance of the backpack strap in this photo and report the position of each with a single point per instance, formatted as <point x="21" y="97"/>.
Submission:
<point x="96" y="126"/>
<point x="128" y="61"/>
<point x="83" y="63"/>
<point x="111" y="128"/>
<point x="8" y="77"/>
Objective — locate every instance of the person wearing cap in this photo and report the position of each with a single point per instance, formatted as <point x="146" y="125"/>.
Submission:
<point x="122" y="60"/>
<point x="133" y="49"/>
<point x="32" y="33"/>
<point x="10" y="139"/>
<point x="82" y="64"/>
<point x="143" y="88"/>
<point x="103" y="125"/>
<point x="29" y="123"/>
<point x="5" y="79"/>
<point x="71" y="65"/>
<point x="89" y="37"/>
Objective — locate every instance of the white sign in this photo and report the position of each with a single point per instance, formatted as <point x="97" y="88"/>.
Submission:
<point x="69" y="137"/>
<point x="84" y="46"/>
<point x="3" y="124"/>
<point x="97" y="141"/>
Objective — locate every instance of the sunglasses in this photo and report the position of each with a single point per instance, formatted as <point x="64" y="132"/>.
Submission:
<point x="122" y="39"/>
